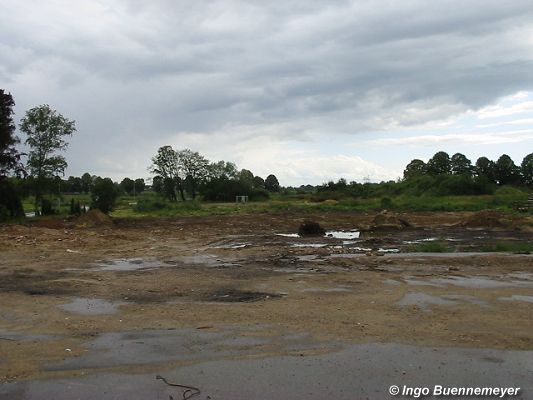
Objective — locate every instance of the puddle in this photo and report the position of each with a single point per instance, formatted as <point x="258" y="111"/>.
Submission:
<point x="381" y="250"/>
<point x="330" y="234"/>
<point x="313" y="245"/>
<point x="130" y="264"/>
<point x="328" y="290"/>
<point x="231" y="246"/>
<point x="343" y="234"/>
<point x="391" y="282"/>
<point x="10" y="336"/>
<point x="240" y="296"/>
<point x="85" y="306"/>
<point x="366" y="370"/>
<point x="516" y="297"/>
<point x="424" y="301"/>
<point x="480" y="282"/>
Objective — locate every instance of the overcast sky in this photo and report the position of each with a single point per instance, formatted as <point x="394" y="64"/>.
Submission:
<point x="308" y="90"/>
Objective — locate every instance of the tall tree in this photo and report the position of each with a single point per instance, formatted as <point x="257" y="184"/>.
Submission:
<point x="46" y="130"/>
<point x="127" y="185"/>
<point x="485" y="167"/>
<point x="10" y="204"/>
<point x="415" y="168"/>
<point x="439" y="164"/>
<point x="165" y="164"/>
<point x="271" y="183"/>
<point x="460" y="165"/>
<point x="527" y="169"/>
<point x="505" y="170"/>
<point x="195" y="168"/>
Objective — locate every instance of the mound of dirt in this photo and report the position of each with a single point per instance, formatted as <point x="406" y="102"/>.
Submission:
<point x="49" y="223"/>
<point x="94" y="217"/>
<point x="311" y="228"/>
<point x="388" y="220"/>
<point x="486" y="219"/>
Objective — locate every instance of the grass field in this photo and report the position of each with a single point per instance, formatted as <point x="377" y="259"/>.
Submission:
<point x="150" y="204"/>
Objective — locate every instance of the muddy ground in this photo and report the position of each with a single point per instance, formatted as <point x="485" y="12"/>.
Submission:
<point x="77" y="300"/>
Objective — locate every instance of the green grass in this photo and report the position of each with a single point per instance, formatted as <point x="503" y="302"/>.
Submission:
<point x="509" y="247"/>
<point x="430" y="247"/>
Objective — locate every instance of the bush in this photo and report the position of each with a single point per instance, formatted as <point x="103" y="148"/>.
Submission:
<point x="104" y="195"/>
<point x="147" y="205"/>
<point x="386" y="203"/>
<point x="47" y="207"/>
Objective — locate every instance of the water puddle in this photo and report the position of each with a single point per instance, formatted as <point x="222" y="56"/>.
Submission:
<point x="366" y="370"/>
<point x="231" y="246"/>
<point x="339" y="289"/>
<point x="130" y="264"/>
<point x="424" y="301"/>
<point x="312" y="245"/>
<point x="10" y="336"/>
<point x="516" y="297"/>
<point x="480" y="282"/>
<point x="86" y="306"/>
<point x="348" y="235"/>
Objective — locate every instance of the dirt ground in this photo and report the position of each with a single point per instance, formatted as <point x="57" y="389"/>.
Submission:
<point x="63" y="284"/>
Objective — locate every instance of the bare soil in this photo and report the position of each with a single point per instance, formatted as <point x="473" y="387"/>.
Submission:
<point x="210" y="272"/>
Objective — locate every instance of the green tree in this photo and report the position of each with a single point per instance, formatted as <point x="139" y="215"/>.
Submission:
<point x="165" y="164"/>
<point x="272" y="184"/>
<point x="139" y="185"/>
<point x="45" y="129"/>
<point x="194" y="167"/>
<point x="259" y="183"/>
<point x="439" y="164"/>
<point x="460" y="165"/>
<point x="485" y="167"/>
<point x="505" y="171"/>
<point x="222" y="169"/>
<point x="104" y="195"/>
<point x="526" y="168"/>
<point x="10" y="204"/>
<point x="127" y="185"/>
<point x="415" y="168"/>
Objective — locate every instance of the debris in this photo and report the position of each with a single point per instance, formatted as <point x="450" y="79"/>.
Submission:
<point x="311" y="228"/>
<point x="190" y="391"/>
<point x="486" y="219"/>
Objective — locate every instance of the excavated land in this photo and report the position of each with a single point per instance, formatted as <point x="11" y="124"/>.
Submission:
<point x="86" y="299"/>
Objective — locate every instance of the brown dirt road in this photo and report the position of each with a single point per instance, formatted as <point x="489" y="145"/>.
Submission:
<point x="211" y="272"/>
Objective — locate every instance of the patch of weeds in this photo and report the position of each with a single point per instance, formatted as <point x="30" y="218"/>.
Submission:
<point x="430" y="247"/>
<point x="509" y="247"/>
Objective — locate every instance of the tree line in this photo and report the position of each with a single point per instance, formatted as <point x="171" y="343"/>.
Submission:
<point x="179" y="174"/>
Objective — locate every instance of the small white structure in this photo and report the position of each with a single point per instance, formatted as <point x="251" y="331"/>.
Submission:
<point x="241" y="199"/>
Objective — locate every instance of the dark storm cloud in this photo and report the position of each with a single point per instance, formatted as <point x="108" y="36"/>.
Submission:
<point x="136" y="70"/>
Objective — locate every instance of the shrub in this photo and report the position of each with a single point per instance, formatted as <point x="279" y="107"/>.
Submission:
<point x="104" y="195"/>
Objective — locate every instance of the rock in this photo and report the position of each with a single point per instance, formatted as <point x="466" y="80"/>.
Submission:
<point x="311" y="228"/>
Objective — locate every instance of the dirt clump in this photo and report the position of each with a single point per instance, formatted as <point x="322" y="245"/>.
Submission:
<point x="93" y="218"/>
<point x="386" y="220"/>
<point x="486" y="219"/>
<point x="311" y="228"/>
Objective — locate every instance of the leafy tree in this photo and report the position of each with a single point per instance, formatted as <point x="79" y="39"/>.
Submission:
<point x="505" y="170"/>
<point x="10" y="204"/>
<point x="272" y="184"/>
<point x="460" y="165"/>
<point x="439" y="164"/>
<point x="195" y="168"/>
<point x="127" y="185"/>
<point x="139" y="185"/>
<point x="165" y="164"/>
<point x="485" y="167"/>
<point x="415" y="168"/>
<point x="259" y="183"/>
<point x="157" y="184"/>
<point x="86" y="182"/>
<point x="526" y="168"/>
<point x="45" y="129"/>
<point x="104" y="195"/>
<point x="222" y="169"/>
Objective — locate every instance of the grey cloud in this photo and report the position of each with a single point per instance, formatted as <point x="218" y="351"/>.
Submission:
<point x="131" y="69"/>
